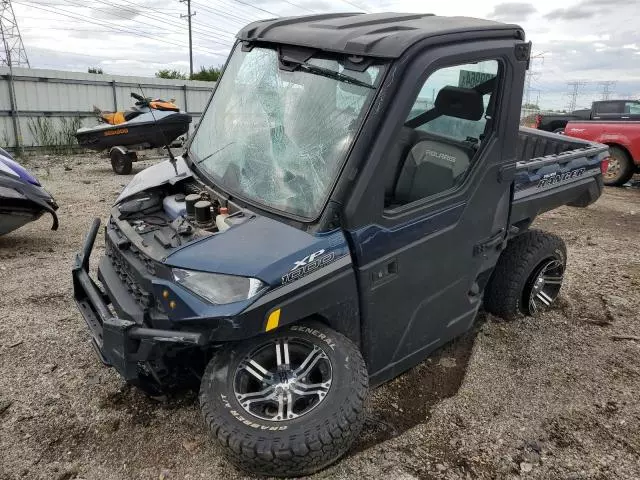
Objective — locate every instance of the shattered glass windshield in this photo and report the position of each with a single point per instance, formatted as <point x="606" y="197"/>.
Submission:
<point x="279" y="137"/>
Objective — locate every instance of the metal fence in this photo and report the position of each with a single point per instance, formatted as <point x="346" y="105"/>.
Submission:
<point x="44" y="108"/>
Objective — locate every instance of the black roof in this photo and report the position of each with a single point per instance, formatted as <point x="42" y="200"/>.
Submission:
<point x="385" y="35"/>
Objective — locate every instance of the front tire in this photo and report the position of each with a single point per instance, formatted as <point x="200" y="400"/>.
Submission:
<point x="288" y="403"/>
<point x="620" y="169"/>
<point x="528" y="275"/>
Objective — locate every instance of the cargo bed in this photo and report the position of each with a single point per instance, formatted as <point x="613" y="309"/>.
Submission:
<point x="553" y="170"/>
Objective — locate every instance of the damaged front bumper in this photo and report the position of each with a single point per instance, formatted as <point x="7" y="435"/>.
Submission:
<point x="122" y="344"/>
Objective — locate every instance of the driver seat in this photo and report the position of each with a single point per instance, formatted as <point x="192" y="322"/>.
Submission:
<point x="434" y="165"/>
<point x="431" y="167"/>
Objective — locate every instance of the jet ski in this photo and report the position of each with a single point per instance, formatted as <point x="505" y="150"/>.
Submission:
<point x="22" y="198"/>
<point x="150" y="124"/>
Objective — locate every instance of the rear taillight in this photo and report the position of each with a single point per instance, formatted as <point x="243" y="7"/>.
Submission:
<point x="604" y="165"/>
<point x="538" y="120"/>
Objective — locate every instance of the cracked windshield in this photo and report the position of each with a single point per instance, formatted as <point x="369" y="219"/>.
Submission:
<point x="280" y="137"/>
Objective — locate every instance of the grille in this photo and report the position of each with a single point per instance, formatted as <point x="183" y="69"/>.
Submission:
<point x="125" y="272"/>
<point x="146" y="261"/>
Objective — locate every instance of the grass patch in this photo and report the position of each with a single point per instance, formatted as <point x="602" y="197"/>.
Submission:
<point x="52" y="136"/>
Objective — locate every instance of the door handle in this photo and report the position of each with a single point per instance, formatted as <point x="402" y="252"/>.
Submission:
<point x="384" y="273"/>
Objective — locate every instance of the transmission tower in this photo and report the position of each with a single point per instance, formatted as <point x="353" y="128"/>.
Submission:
<point x="531" y="75"/>
<point x="13" y="53"/>
<point x="606" y="91"/>
<point x="527" y="88"/>
<point x="573" y="94"/>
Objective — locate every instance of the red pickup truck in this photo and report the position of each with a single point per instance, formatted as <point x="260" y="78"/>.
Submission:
<point x="623" y="138"/>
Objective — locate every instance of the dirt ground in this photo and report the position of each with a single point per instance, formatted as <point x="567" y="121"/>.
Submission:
<point x="551" y="398"/>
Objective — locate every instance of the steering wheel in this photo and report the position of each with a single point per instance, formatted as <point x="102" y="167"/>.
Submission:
<point x="140" y="100"/>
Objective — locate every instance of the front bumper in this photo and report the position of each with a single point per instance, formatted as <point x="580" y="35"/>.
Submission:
<point x="122" y="344"/>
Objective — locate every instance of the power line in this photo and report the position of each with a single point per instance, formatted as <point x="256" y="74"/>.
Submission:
<point x="137" y="12"/>
<point x="163" y="22"/>
<point x="257" y="8"/>
<point x="299" y="6"/>
<point x="233" y="16"/>
<point x="237" y="9"/>
<point x="137" y="33"/>
<point x="65" y="29"/>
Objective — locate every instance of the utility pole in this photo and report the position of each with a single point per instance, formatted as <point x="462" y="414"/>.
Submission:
<point x="13" y="53"/>
<point x="188" y="17"/>
<point x="606" y="92"/>
<point x="573" y="94"/>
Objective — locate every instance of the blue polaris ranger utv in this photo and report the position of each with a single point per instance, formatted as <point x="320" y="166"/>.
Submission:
<point x="356" y="190"/>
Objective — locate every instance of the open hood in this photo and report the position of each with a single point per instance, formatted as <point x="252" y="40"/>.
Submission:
<point x="155" y="176"/>
<point x="253" y="246"/>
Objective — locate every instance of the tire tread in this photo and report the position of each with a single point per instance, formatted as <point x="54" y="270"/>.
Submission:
<point x="504" y="290"/>
<point x="626" y="165"/>
<point x="308" y="454"/>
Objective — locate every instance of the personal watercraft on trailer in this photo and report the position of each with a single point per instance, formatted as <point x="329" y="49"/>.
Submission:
<point x="148" y="124"/>
<point x="22" y="198"/>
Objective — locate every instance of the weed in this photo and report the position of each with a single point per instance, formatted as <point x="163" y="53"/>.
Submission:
<point x="5" y="138"/>
<point x="55" y="138"/>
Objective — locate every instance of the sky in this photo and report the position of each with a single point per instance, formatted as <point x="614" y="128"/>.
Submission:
<point x="589" y="41"/>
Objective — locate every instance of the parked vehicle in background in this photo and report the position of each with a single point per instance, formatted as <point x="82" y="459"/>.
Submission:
<point x="555" y="122"/>
<point x="622" y="110"/>
<point x="623" y="138"/>
<point x="148" y="124"/>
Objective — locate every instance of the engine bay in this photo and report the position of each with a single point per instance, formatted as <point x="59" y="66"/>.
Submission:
<point x="170" y="217"/>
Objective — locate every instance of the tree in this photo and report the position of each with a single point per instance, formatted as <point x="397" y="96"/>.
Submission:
<point x="171" y="74"/>
<point x="95" y="70"/>
<point x="530" y="106"/>
<point x="210" y="74"/>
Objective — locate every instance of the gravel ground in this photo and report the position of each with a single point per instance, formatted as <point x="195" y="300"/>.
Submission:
<point x="551" y="398"/>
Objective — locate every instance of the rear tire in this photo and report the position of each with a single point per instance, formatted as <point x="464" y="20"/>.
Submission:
<point x="559" y="131"/>
<point x="262" y="411"/>
<point x="121" y="163"/>
<point x="515" y="282"/>
<point x="620" y="168"/>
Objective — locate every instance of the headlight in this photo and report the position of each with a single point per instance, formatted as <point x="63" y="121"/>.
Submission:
<point x="217" y="288"/>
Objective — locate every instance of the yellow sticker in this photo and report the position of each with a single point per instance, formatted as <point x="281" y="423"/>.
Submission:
<point x="273" y="321"/>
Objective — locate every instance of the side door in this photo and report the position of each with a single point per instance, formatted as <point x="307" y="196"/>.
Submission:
<point x="447" y="170"/>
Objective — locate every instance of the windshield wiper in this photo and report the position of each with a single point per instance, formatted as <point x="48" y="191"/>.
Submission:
<point x="325" y="72"/>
